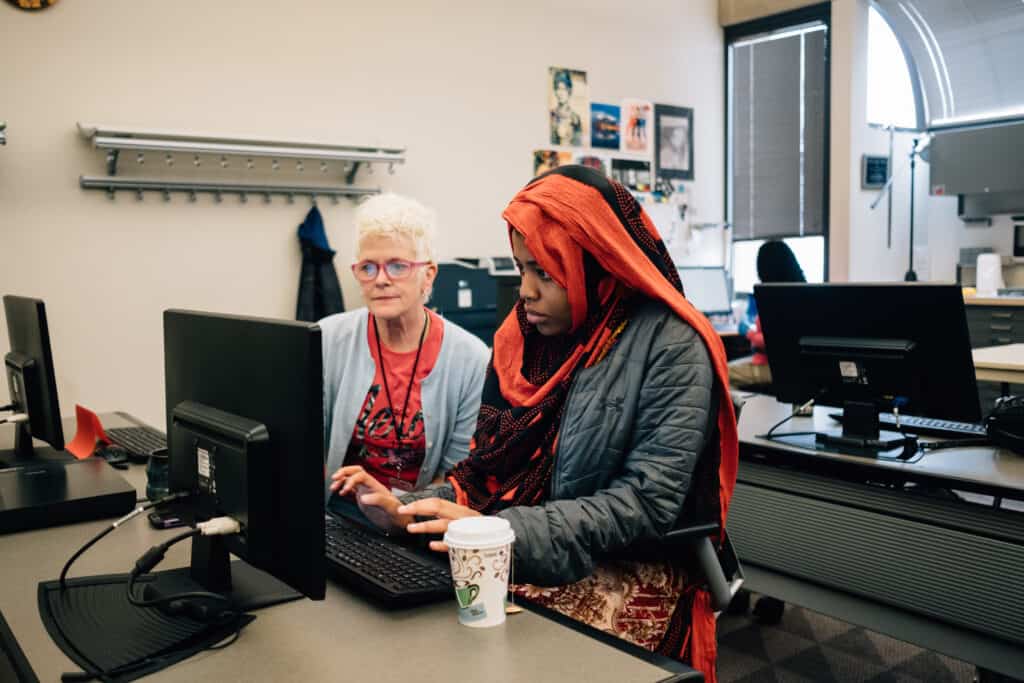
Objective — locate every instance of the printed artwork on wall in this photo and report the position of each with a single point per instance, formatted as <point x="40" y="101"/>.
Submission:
<point x="32" y="4"/>
<point x="594" y="162"/>
<point x="546" y="159"/>
<point x="673" y="142"/>
<point x="636" y="128"/>
<point x="636" y="175"/>
<point x="605" y="120"/>
<point x="568" y="107"/>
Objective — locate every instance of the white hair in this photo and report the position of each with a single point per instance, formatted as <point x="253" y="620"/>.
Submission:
<point x="392" y="215"/>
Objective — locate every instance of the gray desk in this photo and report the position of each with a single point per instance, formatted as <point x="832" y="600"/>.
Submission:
<point x="342" y="638"/>
<point x="930" y="552"/>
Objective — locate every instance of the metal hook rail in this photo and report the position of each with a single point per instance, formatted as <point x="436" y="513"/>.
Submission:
<point x="114" y="185"/>
<point x="114" y="140"/>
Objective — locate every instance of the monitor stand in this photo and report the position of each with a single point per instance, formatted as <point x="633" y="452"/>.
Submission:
<point x="142" y="640"/>
<point x="861" y="432"/>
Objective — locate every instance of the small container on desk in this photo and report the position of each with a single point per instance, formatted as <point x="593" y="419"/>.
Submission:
<point x="157" y="475"/>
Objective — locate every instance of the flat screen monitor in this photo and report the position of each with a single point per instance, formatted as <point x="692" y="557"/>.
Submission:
<point x="707" y="289"/>
<point x="245" y="440"/>
<point x="245" y="435"/>
<point x="31" y="381"/>
<point x="901" y="344"/>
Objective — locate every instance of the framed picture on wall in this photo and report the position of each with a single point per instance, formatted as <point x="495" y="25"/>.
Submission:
<point x="673" y="142"/>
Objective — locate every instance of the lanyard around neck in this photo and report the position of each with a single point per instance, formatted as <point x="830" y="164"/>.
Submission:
<point x="399" y="426"/>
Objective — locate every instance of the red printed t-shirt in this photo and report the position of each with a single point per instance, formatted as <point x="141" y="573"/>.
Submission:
<point x="395" y="460"/>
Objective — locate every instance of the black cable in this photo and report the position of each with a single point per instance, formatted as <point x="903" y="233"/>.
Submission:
<point x="91" y="542"/>
<point x="776" y="437"/>
<point x="149" y="560"/>
<point x="144" y="564"/>
<point x="797" y="412"/>
<point x="9" y="406"/>
<point x="953" y="443"/>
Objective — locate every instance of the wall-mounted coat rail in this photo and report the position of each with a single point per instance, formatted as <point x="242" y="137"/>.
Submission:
<point x="112" y="185"/>
<point x="115" y="140"/>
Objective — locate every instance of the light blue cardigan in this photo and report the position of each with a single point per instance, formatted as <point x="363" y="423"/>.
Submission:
<point x="450" y="393"/>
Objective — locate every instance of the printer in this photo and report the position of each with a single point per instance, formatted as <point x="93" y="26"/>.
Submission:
<point x="467" y="292"/>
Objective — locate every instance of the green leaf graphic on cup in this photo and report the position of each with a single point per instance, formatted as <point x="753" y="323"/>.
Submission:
<point x="466" y="594"/>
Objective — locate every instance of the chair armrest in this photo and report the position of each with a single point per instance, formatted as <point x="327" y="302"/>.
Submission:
<point x="698" y="539"/>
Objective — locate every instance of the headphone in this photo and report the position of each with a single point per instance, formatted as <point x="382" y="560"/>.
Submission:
<point x="1005" y="426"/>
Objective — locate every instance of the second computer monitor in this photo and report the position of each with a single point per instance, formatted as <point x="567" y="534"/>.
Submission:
<point x="707" y="289"/>
<point x="904" y="344"/>
<point x="30" y="376"/>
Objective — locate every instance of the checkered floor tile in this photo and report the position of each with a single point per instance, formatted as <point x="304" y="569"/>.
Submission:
<point x="813" y="648"/>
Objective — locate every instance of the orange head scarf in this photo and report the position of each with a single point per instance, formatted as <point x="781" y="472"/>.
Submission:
<point x="594" y="240"/>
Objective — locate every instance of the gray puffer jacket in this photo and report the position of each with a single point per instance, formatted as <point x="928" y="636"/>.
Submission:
<point x="628" y="445"/>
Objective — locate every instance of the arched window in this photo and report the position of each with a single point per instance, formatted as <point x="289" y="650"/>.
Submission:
<point x="965" y="57"/>
<point x="891" y="90"/>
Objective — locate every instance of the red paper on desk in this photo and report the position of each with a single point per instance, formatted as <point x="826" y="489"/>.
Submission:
<point x="89" y="432"/>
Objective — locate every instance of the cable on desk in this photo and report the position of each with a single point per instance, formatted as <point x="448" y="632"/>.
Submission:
<point x="797" y="412"/>
<point x="953" y="443"/>
<point x="131" y="515"/>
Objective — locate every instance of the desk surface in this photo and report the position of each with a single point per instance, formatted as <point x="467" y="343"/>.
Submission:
<point x="994" y="301"/>
<point x="1005" y="357"/>
<point x="343" y="637"/>
<point x="975" y="468"/>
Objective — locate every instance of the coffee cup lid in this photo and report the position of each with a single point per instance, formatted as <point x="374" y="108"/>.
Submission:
<point x="479" y="532"/>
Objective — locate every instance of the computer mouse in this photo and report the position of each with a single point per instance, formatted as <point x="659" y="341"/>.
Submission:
<point x="116" y="456"/>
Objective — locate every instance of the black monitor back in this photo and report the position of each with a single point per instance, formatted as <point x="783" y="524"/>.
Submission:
<point x="941" y="384"/>
<point x="268" y="371"/>
<point x="35" y="390"/>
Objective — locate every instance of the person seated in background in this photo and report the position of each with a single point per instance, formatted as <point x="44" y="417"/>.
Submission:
<point x="401" y="384"/>
<point x="605" y="423"/>
<point x="776" y="262"/>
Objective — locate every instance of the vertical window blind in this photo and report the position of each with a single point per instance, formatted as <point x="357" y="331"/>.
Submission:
<point x="777" y="133"/>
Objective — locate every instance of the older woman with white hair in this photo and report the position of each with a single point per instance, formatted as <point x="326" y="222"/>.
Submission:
<point x="401" y="384"/>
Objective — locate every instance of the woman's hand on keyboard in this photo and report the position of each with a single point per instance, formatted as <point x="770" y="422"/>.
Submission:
<point x="375" y="500"/>
<point x="444" y="511"/>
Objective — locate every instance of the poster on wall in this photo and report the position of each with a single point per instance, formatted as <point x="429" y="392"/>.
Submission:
<point x="568" y="106"/>
<point x="634" y="174"/>
<point x="605" y="120"/>
<point x="594" y="162"/>
<point x="636" y="128"/>
<point x="545" y="160"/>
<point x="673" y="142"/>
<point x="32" y="4"/>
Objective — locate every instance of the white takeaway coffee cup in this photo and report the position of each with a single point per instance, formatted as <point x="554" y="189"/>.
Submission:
<point x="480" y="550"/>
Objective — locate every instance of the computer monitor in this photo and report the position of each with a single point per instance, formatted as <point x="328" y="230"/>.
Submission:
<point x="244" y="398"/>
<point x="878" y="345"/>
<point x="245" y="439"/>
<point x="31" y="381"/>
<point x="707" y="289"/>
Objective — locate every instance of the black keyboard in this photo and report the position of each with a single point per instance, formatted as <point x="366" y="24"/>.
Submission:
<point x="383" y="568"/>
<point x="927" y="426"/>
<point x="140" y="442"/>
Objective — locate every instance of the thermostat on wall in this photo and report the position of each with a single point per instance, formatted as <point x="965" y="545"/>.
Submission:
<point x="874" y="172"/>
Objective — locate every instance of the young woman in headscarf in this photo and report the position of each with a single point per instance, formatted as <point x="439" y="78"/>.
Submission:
<point x="605" y="423"/>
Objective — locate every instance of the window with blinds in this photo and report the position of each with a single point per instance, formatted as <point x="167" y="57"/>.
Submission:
<point x="777" y="123"/>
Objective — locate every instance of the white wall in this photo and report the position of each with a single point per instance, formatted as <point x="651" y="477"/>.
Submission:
<point x="461" y="84"/>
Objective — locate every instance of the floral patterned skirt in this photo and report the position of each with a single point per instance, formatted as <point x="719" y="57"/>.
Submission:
<point x="635" y="601"/>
